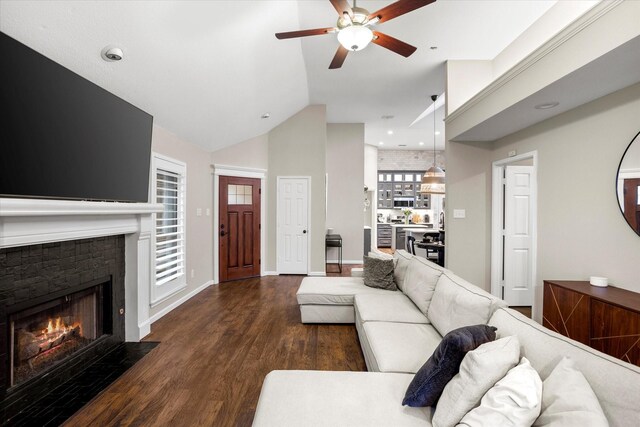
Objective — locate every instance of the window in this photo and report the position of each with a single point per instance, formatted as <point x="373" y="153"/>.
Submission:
<point x="169" y="188"/>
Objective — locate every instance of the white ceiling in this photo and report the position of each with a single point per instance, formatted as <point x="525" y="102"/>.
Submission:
<point x="207" y="71"/>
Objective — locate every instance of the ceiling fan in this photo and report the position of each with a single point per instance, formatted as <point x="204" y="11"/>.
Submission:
<point x="354" y="32"/>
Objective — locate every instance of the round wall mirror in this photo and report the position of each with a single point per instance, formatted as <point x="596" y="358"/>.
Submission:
<point x="628" y="184"/>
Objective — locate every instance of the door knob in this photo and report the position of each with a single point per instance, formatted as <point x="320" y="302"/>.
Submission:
<point x="222" y="233"/>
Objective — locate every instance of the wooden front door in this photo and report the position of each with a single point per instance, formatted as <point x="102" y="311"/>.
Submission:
<point x="632" y="203"/>
<point x="239" y="229"/>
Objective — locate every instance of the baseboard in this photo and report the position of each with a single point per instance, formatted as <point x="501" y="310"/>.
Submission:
<point x="346" y="261"/>
<point x="178" y="302"/>
<point x="271" y="273"/>
<point x="317" y="273"/>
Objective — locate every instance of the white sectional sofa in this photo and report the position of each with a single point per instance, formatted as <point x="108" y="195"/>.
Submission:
<point x="398" y="332"/>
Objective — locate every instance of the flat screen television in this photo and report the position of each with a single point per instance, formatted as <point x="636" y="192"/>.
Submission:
<point x="63" y="137"/>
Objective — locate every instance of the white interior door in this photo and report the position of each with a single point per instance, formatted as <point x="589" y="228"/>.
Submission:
<point x="518" y="229"/>
<point x="293" y="225"/>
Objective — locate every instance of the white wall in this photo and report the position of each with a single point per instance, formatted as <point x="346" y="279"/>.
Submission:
<point x="467" y="78"/>
<point x="548" y="25"/>
<point x="581" y="231"/>
<point x="253" y="153"/>
<point x="199" y="195"/>
<point x="297" y="147"/>
<point x="345" y="192"/>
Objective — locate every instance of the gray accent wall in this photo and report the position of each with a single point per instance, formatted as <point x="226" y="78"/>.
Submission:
<point x="345" y="192"/>
<point x="297" y="147"/>
<point x="581" y="231"/>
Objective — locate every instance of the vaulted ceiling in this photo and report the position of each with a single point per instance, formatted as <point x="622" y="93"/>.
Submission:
<point x="207" y="71"/>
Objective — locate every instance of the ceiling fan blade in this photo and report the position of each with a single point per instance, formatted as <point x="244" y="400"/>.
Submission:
<point x="399" y="8"/>
<point x="339" y="57"/>
<point x="341" y="6"/>
<point x="304" y="33"/>
<point x="393" y="44"/>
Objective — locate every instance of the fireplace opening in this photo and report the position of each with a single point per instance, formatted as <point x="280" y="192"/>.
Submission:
<point x="45" y="334"/>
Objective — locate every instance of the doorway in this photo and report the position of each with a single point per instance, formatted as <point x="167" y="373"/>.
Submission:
<point x="239" y="227"/>
<point x="514" y="229"/>
<point x="293" y="225"/>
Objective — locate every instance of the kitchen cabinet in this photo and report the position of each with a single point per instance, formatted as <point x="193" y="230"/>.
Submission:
<point x="401" y="190"/>
<point x="384" y="235"/>
<point x="401" y="238"/>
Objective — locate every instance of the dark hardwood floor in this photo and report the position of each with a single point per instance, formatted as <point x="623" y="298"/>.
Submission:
<point x="214" y="354"/>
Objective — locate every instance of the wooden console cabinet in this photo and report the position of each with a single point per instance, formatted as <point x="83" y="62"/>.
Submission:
<point x="607" y="319"/>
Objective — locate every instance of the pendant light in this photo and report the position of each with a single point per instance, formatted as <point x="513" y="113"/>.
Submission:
<point x="433" y="178"/>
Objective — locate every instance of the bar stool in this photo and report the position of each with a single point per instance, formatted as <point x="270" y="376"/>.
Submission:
<point x="334" y="241"/>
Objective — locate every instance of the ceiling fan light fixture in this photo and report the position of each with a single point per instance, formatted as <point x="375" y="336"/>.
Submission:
<point x="355" y="37"/>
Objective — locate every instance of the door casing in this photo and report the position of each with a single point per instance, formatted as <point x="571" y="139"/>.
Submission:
<point x="243" y="173"/>
<point x="497" y="218"/>
<point x="226" y="212"/>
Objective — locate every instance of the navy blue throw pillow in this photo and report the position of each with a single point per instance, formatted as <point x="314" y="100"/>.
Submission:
<point x="427" y="386"/>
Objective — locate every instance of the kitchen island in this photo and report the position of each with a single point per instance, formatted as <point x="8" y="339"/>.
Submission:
<point x="398" y="236"/>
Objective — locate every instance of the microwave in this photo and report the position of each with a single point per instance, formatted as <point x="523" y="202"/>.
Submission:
<point x="403" y="202"/>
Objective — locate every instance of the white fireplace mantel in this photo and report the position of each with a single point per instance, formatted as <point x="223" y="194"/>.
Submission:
<point x="35" y="221"/>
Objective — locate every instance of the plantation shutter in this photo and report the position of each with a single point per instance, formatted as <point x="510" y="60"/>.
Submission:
<point x="169" y="226"/>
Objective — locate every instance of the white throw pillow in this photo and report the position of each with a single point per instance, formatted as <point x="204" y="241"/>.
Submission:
<point x="568" y="400"/>
<point x="479" y="371"/>
<point x="514" y="401"/>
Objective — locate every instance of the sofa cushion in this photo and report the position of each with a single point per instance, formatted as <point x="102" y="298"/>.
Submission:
<point x="480" y="370"/>
<point x="379" y="255"/>
<point x="400" y="347"/>
<point x="326" y="398"/>
<point x="378" y="273"/>
<point x="513" y="401"/>
<point x="337" y="313"/>
<point x="615" y="383"/>
<point x="402" y="259"/>
<point x="568" y="400"/>
<point x="420" y="282"/>
<point x="427" y="386"/>
<point x="333" y="290"/>
<point x="458" y="303"/>
<point x="396" y="307"/>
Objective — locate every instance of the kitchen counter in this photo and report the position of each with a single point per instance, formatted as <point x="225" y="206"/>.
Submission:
<point x="396" y="227"/>
<point x="425" y="225"/>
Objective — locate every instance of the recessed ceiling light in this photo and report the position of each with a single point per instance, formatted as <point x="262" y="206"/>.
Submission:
<point x="380" y="143"/>
<point x="420" y="143"/>
<point x="387" y="117"/>
<point x="265" y="115"/>
<point x="437" y="132"/>
<point x="389" y="132"/>
<point x="546" y="105"/>
<point x="112" y="53"/>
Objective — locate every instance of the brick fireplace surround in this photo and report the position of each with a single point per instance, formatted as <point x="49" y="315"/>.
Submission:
<point x="49" y="245"/>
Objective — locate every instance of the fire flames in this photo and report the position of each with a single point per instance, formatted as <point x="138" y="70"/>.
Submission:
<point x="56" y="332"/>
